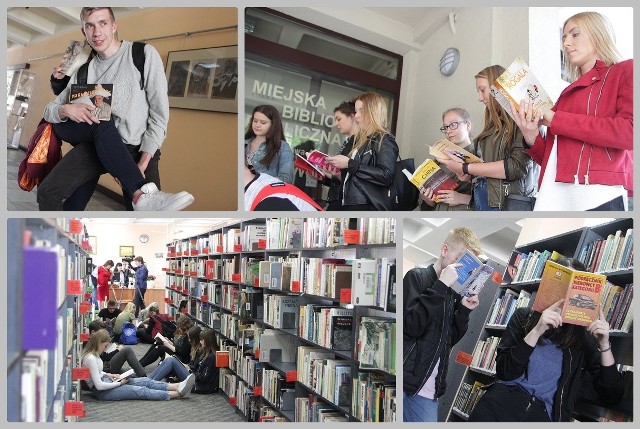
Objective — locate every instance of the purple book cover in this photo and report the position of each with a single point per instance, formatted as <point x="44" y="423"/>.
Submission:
<point x="40" y="311"/>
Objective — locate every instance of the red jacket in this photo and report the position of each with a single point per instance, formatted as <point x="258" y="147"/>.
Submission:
<point x="157" y="323"/>
<point x="604" y="136"/>
<point x="104" y="276"/>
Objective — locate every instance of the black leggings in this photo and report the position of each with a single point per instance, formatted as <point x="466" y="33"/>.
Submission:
<point x="508" y="403"/>
<point x="155" y="352"/>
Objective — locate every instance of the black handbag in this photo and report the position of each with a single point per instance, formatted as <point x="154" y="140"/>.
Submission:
<point x="404" y="194"/>
<point x="514" y="202"/>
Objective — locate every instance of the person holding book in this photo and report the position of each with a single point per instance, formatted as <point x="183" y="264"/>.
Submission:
<point x="456" y="125"/>
<point x="113" y="360"/>
<point x="126" y="316"/>
<point x="128" y="146"/>
<point x="345" y="122"/>
<point x="109" y="313"/>
<point x="265" y="147"/>
<point x="172" y="366"/>
<point x="586" y="156"/>
<point x="435" y="318"/>
<point x="367" y="171"/>
<point x="111" y="387"/>
<point x="147" y="328"/>
<point x="540" y="362"/>
<point x="507" y="169"/>
<point x="180" y="347"/>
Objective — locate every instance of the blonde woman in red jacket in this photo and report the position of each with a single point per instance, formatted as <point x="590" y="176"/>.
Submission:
<point x="587" y="154"/>
<point x="104" y="275"/>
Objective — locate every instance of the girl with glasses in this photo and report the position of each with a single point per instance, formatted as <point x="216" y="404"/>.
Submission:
<point x="456" y="124"/>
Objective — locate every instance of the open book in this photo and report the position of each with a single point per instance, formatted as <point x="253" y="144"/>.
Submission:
<point x="580" y="290"/>
<point x="301" y="163"/>
<point x="472" y="274"/>
<point x="125" y="374"/>
<point x="77" y="53"/>
<point x="94" y="94"/>
<point x="518" y="83"/>
<point x="441" y="148"/>
<point x="312" y="164"/>
<point x="161" y="337"/>
<point x="429" y="175"/>
<point x="112" y="347"/>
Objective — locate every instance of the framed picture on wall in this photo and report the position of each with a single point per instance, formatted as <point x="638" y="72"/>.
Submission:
<point x="93" y="245"/>
<point x="126" y="251"/>
<point x="204" y="79"/>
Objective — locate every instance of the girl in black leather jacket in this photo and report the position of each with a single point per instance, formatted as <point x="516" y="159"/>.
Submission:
<point x="369" y="168"/>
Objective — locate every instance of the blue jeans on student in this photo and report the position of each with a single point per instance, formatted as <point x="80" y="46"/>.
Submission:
<point x="481" y="196"/>
<point x="97" y="149"/>
<point x="136" y="388"/>
<point x="168" y="366"/>
<point x="419" y="409"/>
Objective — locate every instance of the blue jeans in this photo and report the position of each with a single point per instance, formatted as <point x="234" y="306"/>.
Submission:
<point x="419" y="409"/>
<point x="136" y="388"/>
<point x="481" y="196"/>
<point x="97" y="149"/>
<point x="169" y="366"/>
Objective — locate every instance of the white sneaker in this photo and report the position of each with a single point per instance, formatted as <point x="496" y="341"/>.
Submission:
<point x="152" y="199"/>
<point x="186" y="385"/>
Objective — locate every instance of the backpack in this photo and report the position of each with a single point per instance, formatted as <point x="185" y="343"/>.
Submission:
<point x="404" y="194"/>
<point x="128" y="336"/>
<point x="137" y="54"/>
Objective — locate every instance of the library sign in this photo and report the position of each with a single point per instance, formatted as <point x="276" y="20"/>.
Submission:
<point x="304" y="114"/>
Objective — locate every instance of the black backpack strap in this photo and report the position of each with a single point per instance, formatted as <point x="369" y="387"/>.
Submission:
<point x="137" y="52"/>
<point x="82" y="73"/>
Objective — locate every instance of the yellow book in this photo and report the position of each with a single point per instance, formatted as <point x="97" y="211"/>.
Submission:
<point x="444" y="147"/>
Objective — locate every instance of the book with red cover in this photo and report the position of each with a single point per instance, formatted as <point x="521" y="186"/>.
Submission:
<point x="302" y="164"/>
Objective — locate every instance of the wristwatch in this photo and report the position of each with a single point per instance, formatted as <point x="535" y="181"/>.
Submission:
<point x="465" y="167"/>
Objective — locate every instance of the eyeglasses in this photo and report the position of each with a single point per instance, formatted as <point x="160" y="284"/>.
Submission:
<point x="453" y="125"/>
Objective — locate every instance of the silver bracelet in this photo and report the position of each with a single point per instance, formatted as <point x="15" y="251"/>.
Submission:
<point x="605" y="350"/>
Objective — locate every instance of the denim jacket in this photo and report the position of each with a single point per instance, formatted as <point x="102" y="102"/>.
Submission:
<point x="282" y="165"/>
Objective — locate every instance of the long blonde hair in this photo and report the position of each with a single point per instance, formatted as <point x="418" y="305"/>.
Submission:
<point x="497" y="122"/>
<point x="374" y="109"/>
<point x="602" y="36"/>
<point x="93" y="345"/>
<point x="130" y="307"/>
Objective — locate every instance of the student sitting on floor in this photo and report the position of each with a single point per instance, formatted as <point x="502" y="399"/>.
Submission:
<point x="179" y="347"/>
<point x="113" y="361"/>
<point x="107" y="387"/>
<point x="172" y="366"/>
<point x="202" y="365"/>
<point x="147" y="329"/>
<point x="126" y="316"/>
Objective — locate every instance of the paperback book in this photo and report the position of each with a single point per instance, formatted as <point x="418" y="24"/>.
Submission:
<point x="429" y="175"/>
<point x="580" y="290"/>
<point x="95" y="94"/>
<point x="444" y="147"/>
<point x="313" y="163"/>
<point x="518" y="83"/>
<point x="472" y="274"/>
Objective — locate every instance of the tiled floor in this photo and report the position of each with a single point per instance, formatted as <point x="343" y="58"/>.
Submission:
<point x="17" y="199"/>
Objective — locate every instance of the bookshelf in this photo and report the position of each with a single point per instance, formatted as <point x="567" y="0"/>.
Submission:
<point x="273" y="289"/>
<point x="47" y="277"/>
<point x="522" y="293"/>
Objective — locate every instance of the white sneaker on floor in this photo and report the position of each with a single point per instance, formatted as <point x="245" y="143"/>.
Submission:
<point x="153" y="199"/>
<point x="184" y="389"/>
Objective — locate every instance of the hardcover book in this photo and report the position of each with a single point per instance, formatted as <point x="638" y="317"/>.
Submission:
<point x="518" y="83"/>
<point x="441" y="148"/>
<point x="429" y="175"/>
<point x="96" y="95"/>
<point x="580" y="290"/>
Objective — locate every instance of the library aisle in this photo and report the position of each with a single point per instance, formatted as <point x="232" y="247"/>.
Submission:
<point x="302" y="311"/>
<point x="526" y="259"/>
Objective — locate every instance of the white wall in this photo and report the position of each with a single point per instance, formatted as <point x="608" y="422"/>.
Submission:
<point x="541" y="228"/>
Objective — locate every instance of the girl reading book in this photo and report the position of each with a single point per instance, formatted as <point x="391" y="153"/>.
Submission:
<point x="110" y="387"/>
<point x="540" y="362"/>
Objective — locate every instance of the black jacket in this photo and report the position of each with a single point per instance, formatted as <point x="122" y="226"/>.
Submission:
<point x="512" y="359"/>
<point x="334" y="196"/>
<point x="207" y="375"/>
<point x="434" y="321"/>
<point x="367" y="178"/>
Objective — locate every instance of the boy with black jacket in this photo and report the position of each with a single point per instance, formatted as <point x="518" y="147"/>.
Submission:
<point x="435" y="318"/>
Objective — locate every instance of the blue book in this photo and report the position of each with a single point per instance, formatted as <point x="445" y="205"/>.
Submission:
<point x="472" y="274"/>
<point x="39" y="315"/>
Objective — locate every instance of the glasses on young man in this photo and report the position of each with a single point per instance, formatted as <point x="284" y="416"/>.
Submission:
<point x="453" y="125"/>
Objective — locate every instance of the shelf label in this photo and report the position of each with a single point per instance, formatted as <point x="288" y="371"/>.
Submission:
<point x="74" y="287"/>
<point x="87" y="296"/>
<point x="256" y="353"/>
<point x="236" y="278"/>
<point x="496" y="277"/>
<point x="185" y="310"/>
<point x="219" y="249"/>
<point x="256" y="282"/>
<point x="205" y="251"/>
<point x="75" y="226"/>
<point x="194" y="252"/>
<point x="74" y="409"/>
<point x="257" y="391"/>
<point x="84" y="307"/>
<point x="345" y="296"/>
<point x="262" y="243"/>
<point x="165" y="269"/>
<point x="81" y="373"/>
<point x="237" y="247"/>
<point x="464" y="358"/>
<point x="291" y="376"/>
<point x="167" y="300"/>
<point x="204" y="298"/>
<point x="233" y="401"/>
<point x="295" y="285"/>
<point x="83" y="336"/>
<point x="351" y="236"/>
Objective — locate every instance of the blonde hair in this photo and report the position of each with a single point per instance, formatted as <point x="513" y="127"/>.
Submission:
<point x="465" y="237"/>
<point x="93" y="345"/>
<point x="600" y="31"/>
<point x="374" y="109"/>
<point x="497" y="122"/>
<point x="130" y="307"/>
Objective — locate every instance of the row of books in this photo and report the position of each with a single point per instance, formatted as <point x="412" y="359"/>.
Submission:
<point x="484" y="354"/>
<point x="320" y="371"/>
<point x="524" y="267"/>
<point x="373" y="399"/>
<point x="310" y="409"/>
<point x="376" y="347"/>
<point x="610" y="254"/>
<point x="329" y="327"/>
<point x="468" y="397"/>
<point x="505" y="305"/>
<point x="616" y="303"/>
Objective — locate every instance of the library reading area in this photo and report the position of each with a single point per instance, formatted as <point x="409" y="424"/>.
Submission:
<point x="551" y="338"/>
<point x="238" y="320"/>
